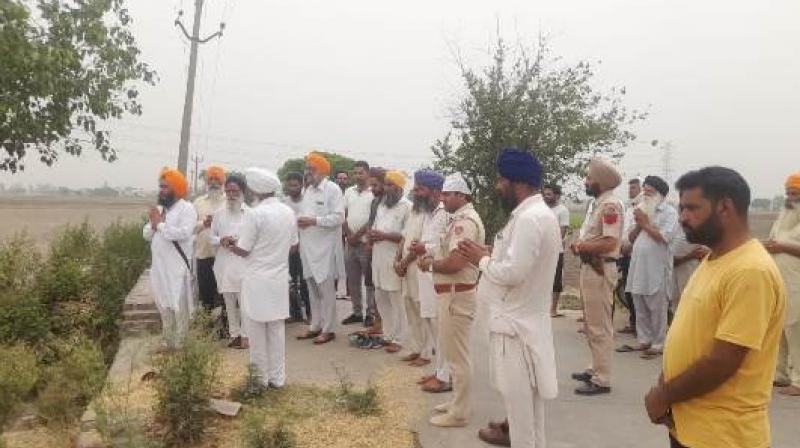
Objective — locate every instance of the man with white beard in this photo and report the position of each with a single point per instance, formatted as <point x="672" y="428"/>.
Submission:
<point x="170" y="232"/>
<point x="228" y="268"/>
<point x="385" y="236"/>
<point x="268" y="232"/>
<point x="420" y="308"/>
<point x="686" y="258"/>
<point x="784" y="245"/>
<point x="206" y="205"/>
<point x="650" y="272"/>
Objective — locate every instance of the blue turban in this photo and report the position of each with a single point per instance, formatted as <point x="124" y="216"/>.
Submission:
<point x="517" y="165"/>
<point x="429" y="178"/>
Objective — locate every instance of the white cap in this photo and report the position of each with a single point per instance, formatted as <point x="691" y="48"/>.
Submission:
<point x="262" y="181"/>
<point x="456" y="183"/>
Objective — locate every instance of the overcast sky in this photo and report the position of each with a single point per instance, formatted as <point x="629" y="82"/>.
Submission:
<point x="375" y="80"/>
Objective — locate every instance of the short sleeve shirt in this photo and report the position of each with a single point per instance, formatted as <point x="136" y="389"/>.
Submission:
<point x="465" y="224"/>
<point x="605" y="219"/>
<point x="737" y="298"/>
<point x="562" y="215"/>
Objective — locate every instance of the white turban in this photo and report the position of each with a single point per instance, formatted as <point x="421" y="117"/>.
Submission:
<point x="262" y="181"/>
<point x="456" y="183"/>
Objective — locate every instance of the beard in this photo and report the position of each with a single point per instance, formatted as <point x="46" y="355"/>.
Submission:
<point x="167" y="201"/>
<point x="649" y="204"/>
<point x="391" y="198"/>
<point x="709" y="233"/>
<point x="423" y="204"/>
<point x="593" y="190"/>
<point x="788" y="219"/>
<point x="507" y="202"/>
<point x="214" y="192"/>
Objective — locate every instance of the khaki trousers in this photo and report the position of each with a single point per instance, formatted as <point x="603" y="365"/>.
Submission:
<point x="598" y="298"/>
<point x="788" y="367"/>
<point x="456" y="311"/>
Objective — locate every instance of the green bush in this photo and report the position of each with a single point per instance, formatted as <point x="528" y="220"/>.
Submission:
<point x="19" y="373"/>
<point x="185" y="381"/>
<point x="252" y="388"/>
<point x="359" y="403"/>
<point x="66" y="273"/>
<point x="258" y="433"/>
<point x="20" y="264"/>
<point x="23" y="319"/>
<point x="118" y="424"/>
<point x="71" y="381"/>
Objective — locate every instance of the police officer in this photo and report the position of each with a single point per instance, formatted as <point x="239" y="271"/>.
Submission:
<point x="455" y="280"/>
<point x="598" y="247"/>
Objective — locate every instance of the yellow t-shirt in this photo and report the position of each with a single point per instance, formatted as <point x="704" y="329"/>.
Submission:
<point x="737" y="298"/>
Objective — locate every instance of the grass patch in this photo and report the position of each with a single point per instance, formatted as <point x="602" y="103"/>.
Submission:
<point x="258" y="432"/>
<point x="358" y="402"/>
<point x="252" y="388"/>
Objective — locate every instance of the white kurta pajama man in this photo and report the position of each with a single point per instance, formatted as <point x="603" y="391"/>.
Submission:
<point x="228" y="267"/>
<point x="420" y="337"/>
<point x="170" y="277"/>
<point x="268" y="232"/>
<point x="787" y="230"/>
<point x="516" y="285"/>
<point x="388" y="287"/>
<point x="650" y="277"/>
<point x="322" y="261"/>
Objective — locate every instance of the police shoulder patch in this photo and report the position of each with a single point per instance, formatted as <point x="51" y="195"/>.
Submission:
<point x="610" y="214"/>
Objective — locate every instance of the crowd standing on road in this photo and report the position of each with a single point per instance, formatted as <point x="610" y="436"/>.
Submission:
<point x="718" y="307"/>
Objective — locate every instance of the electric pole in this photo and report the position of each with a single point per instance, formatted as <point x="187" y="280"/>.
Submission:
<point x="196" y="159"/>
<point x="194" y="38"/>
<point x="667" y="161"/>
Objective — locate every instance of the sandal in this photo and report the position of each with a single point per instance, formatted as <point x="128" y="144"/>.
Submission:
<point x="629" y="348"/>
<point x="651" y="354"/>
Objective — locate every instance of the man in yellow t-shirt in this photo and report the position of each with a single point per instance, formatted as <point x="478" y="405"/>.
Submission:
<point x="721" y="350"/>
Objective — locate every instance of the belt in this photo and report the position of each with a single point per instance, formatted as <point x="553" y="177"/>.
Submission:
<point x="443" y="288"/>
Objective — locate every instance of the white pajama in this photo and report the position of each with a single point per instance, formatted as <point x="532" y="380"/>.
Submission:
<point x="393" y="315"/>
<point x="175" y="322"/>
<point x="419" y="338"/>
<point x="513" y="376"/>
<point x="323" y="305"/>
<point x="234" y="313"/>
<point x="268" y="350"/>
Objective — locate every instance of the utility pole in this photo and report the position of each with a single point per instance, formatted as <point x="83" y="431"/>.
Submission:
<point x="194" y="38"/>
<point x="196" y="159"/>
<point x="667" y="161"/>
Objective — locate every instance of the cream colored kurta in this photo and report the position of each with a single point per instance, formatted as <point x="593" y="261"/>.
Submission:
<point x="787" y="229"/>
<point x="206" y="205"/>
<point x="384" y="253"/>
<point x="228" y="267"/>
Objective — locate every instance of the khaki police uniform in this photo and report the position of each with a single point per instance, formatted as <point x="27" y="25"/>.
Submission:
<point x="456" y="305"/>
<point x="604" y="219"/>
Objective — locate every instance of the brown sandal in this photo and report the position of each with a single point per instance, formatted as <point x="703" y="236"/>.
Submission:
<point x="308" y="335"/>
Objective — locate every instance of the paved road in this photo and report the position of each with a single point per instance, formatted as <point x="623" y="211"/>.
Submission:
<point x="617" y="420"/>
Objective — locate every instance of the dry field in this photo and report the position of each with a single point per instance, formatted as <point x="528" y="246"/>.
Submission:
<point x="40" y="217"/>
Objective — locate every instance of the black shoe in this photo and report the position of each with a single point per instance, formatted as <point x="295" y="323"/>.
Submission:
<point x="582" y="376"/>
<point x="369" y="321"/>
<point x="353" y="319"/>
<point x="590" y="389"/>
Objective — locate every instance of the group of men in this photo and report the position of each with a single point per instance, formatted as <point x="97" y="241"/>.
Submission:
<point x="415" y="264"/>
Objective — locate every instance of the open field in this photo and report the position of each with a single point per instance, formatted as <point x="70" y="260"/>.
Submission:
<point x="40" y="217"/>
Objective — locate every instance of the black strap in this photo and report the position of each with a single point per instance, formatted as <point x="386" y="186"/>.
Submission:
<point x="183" y="255"/>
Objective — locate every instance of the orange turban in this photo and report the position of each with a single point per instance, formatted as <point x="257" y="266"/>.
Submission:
<point x="319" y="163"/>
<point x="215" y="172"/>
<point x="793" y="181"/>
<point x="396" y="178"/>
<point x="176" y="181"/>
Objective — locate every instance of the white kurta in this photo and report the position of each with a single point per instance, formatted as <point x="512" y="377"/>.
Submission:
<point x="787" y="229"/>
<point x="516" y="285"/>
<point x="268" y="232"/>
<point x="170" y="278"/>
<point x="228" y="267"/>
<point x="384" y="253"/>
<point x="320" y="245"/>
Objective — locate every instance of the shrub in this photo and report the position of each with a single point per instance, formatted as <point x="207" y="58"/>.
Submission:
<point x="71" y="381"/>
<point x="18" y="375"/>
<point x="252" y="388"/>
<point x="66" y="274"/>
<point x="118" y="424"/>
<point x="257" y="433"/>
<point x="23" y="319"/>
<point x="185" y="381"/>
<point x="360" y="403"/>
<point x="20" y="264"/>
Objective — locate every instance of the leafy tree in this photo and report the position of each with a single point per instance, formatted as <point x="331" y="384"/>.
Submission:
<point x="526" y="99"/>
<point x="338" y="163"/>
<point x="67" y="67"/>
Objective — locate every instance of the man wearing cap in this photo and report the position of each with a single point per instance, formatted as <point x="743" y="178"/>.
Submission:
<point x="784" y="245"/>
<point x="268" y="232"/>
<point x="516" y="284"/>
<point x="229" y="268"/>
<point x="455" y="280"/>
<point x="206" y="205"/>
<point x="598" y="247"/>
<point x="385" y="236"/>
<point x="170" y="231"/>
<point x="421" y="320"/>
<point x="650" y="271"/>
<point x="320" y="223"/>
